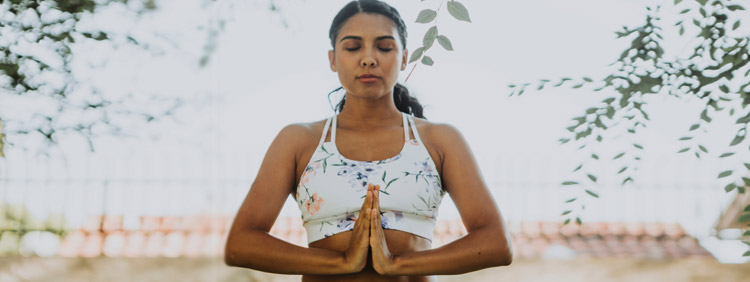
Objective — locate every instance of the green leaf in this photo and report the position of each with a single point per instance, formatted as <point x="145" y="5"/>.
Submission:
<point x="686" y="138"/>
<point x="566" y="221"/>
<point x="389" y="182"/>
<point x="737" y="140"/>
<point x="588" y="79"/>
<point x="747" y="165"/>
<point x="417" y="54"/>
<point x="595" y="156"/>
<point x="694" y="127"/>
<point x="569" y="183"/>
<point x="626" y="180"/>
<point x="724" y="88"/>
<point x="426" y="16"/>
<point x="383" y="178"/>
<point x="730" y="187"/>
<point x="609" y="100"/>
<point x="677" y="2"/>
<point x="682" y="30"/>
<point x="592" y="177"/>
<point x="746" y="254"/>
<point x="735" y="7"/>
<point x="724" y="155"/>
<point x="578" y="220"/>
<point x="685" y="11"/>
<point x="745" y="217"/>
<point x="592" y="193"/>
<point x="566" y="212"/>
<point x="683" y="150"/>
<point x="747" y="182"/>
<point x="736" y="25"/>
<point x="445" y="42"/>
<point x="622" y="169"/>
<point x="704" y="115"/>
<point x="573" y="199"/>
<point x="703" y="148"/>
<point x="747" y="209"/>
<point x="577" y="168"/>
<point x="427" y="60"/>
<point x="458" y="11"/>
<point x="725" y="174"/>
<point x="619" y="155"/>
<point x="637" y="146"/>
<point x="429" y="37"/>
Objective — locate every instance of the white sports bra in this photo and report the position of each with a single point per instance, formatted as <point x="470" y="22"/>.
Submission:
<point x="332" y="188"/>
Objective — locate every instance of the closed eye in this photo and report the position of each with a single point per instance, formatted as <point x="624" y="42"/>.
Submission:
<point x="357" y="48"/>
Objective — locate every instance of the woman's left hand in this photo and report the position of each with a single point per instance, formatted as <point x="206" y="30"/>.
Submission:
<point x="382" y="260"/>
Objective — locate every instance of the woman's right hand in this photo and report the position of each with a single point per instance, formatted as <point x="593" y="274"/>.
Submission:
<point x="355" y="256"/>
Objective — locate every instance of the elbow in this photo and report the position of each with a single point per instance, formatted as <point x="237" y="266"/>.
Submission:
<point x="507" y="253"/>
<point x="507" y="258"/>
<point x="230" y="253"/>
<point x="504" y="257"/>
<point x="504" y="253"/>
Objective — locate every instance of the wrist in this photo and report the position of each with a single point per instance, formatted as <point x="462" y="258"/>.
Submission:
<point x="350" y="265"/>
<point x="393" y="267"/>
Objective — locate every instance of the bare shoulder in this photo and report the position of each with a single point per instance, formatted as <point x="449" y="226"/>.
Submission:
<point x="438" y="134"/>
<point x="300" y="139"/>
<point x="301" y="135"/>
<point x="441" y="138"/>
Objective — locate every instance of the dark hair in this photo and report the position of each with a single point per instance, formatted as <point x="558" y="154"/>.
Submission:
<point x="404" y="102"/>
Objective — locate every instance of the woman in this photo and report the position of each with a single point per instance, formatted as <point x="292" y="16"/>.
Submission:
<point x="369" y="188"/>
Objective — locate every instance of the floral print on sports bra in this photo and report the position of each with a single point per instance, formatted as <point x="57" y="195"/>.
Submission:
<point x="332" y="188"/>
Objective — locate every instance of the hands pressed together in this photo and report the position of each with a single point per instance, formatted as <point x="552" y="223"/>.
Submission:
<point x="368" y="234"/>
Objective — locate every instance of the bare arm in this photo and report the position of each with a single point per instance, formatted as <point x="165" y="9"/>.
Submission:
<point x="487" y="243"/>
<point x="250" y="245"/>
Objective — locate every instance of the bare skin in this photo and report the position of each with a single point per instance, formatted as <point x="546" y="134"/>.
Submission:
<point x="368" y="44"/>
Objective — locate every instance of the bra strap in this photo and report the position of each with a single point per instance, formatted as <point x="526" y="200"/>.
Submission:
<point x="414" y="129"/>
<point x="333" y="128"/>
<point x="325" y="130"/>
<point x="406" y="127"/>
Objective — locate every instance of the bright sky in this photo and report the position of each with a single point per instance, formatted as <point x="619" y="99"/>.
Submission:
<point x="264" y="75"/>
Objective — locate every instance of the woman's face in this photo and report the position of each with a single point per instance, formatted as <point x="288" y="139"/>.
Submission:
<point x="368" y="55"/>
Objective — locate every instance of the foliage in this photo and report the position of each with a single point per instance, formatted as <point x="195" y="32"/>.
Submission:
<point x="37" y="42"/>
<point x="716" y="72"/>
<point x="426" y="16"/>
<point x="16" y="221"/>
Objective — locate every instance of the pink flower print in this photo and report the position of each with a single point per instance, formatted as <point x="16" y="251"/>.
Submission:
<point x="313" y="204"/>
<point x="413" y="142"/>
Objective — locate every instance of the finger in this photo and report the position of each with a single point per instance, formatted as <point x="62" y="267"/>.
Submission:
<point x="376" y="201"/>
<point x="366" y="205"/>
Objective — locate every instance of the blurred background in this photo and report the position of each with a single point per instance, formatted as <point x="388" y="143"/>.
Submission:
<point x="132" y="130"/>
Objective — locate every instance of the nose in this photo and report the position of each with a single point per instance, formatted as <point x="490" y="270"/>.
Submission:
<point x="368" y="61"/>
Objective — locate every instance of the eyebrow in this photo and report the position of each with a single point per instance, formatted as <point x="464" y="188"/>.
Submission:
<point x="360" y="38"/>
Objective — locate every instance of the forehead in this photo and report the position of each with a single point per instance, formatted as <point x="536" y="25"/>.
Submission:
<point x="368" y="25"/>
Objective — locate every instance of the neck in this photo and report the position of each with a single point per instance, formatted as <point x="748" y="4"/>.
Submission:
<point x="369" y="112"/>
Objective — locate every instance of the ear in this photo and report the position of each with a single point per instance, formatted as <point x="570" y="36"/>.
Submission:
<point x="404" y="60"/>
<point x="332" y="60"/>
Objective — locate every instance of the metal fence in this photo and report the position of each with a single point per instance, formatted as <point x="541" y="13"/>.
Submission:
<point x="81" y="191"/>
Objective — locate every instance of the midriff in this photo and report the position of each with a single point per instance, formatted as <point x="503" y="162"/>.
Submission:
<point x="399" y="242"/>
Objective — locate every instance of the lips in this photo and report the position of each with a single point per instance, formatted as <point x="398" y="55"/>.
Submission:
<point x="368" y="78"/>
